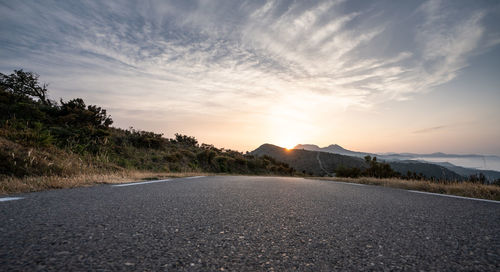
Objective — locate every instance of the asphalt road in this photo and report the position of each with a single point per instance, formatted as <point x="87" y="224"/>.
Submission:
<point x="247" y="223"/>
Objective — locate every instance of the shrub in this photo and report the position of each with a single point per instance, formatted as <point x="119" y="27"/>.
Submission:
<point x="376" y="169"/>
<point x="348" y="172"/>
<point x="185" y="140"/>
<point x="221" y="163"/>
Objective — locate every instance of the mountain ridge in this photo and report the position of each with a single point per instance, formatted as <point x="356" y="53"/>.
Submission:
<point x="322" y="163"/>
<point x="333" y="148"/>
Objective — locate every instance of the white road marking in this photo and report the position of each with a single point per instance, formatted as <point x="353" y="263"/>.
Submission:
<point x="194" y="177"/>
<point x="140" y="183"/>
<point x="2" y="199"/>
<point x="357" y="184"/>
<point x="349" y="183"/>
<point x="454" y="196"/>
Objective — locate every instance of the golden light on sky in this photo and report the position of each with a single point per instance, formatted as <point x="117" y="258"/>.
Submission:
<point x="402" y="76"/>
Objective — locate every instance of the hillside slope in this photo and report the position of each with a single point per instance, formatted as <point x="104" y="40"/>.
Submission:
<point x="42" y="137"/>
<point x="309" y="161"/>
<point x="429" y="170"/>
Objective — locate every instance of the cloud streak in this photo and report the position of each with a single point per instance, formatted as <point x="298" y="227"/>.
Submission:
<point x="215" y="58"/>
<point x="431" y="129"/>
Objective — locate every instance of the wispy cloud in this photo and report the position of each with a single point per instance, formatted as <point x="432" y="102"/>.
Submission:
<point x="446" y="42"/>
<point x="431" y="129"/>
<point x="191" y="57"/>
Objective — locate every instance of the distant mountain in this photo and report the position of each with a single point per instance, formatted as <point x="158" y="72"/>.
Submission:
<point x="334" y="148"/>
<point x="309" y="147"/>
<point x="445" y="155"/>
<point x="466" y="172"/>
<point x="311" y="162"/>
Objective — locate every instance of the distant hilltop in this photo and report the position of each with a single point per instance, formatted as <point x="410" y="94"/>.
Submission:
<point x="334" y="148"/>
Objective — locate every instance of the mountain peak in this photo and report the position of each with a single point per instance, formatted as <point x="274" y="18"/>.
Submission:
<point x="335" y="146"/>
<point x="310" y="147"/>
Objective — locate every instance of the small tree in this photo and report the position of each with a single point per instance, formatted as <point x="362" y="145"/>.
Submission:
<point x="25" y="84"/>
<point x="478" y="178"/>
<point x="378" y="169"/>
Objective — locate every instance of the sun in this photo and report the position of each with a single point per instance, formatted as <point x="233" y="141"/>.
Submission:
<point x="287" y="141"/>
<point x="289" y="146"/>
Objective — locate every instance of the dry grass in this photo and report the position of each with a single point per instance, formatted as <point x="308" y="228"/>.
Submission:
<point x="465" y="189"/>
<point x="12" y="185"/>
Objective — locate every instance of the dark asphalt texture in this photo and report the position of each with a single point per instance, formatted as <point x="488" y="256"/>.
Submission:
<point x="247" y="224"/>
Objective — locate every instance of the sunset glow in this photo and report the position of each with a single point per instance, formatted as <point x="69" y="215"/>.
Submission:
<point x="289" y="146"/>
<point x="400" y="76"/>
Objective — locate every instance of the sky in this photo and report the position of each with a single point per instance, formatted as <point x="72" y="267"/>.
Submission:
<point x="372" y="76"/>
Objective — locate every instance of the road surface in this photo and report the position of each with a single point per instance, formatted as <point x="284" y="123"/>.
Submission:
<point x="246" y="223"/>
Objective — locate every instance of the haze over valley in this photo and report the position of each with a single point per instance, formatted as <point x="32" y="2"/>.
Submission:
<point x="477" y="161"/>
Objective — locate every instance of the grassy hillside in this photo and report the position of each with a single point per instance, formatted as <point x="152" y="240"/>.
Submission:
<point x="42" y="137"/>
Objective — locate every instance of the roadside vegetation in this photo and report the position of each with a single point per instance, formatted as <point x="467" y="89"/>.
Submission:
<point x="51" y="144"/>
<point x="381" y="173"/>
<point x="377" y="169"/>
<point x="466" y="189"/>
<point x="11" y="184"/>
